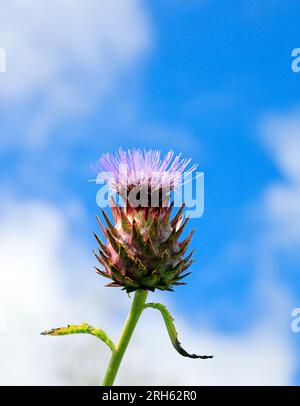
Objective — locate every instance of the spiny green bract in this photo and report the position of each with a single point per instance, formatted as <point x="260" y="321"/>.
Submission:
<point x="142" y="249"/>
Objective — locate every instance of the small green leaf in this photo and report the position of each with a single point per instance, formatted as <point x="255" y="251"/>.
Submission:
<point x="169" y="321"/>
<point x="81" y="329"/>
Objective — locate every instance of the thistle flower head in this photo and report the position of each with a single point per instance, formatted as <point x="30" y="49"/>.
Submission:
<point x="142" y="248"/>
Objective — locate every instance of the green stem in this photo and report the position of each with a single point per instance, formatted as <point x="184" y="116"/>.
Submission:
<point x="132" y="319"/>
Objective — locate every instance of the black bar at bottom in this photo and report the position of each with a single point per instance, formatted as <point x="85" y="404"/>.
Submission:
<point x="135" y="394"/>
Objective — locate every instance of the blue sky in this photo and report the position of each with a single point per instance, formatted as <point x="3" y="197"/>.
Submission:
<point x="204" y="78"/>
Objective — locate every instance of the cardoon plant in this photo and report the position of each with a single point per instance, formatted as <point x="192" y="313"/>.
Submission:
<point x="142" y="249"/>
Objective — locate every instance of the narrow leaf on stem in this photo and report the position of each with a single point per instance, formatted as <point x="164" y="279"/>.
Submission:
<point x="169" y="321"/>
<point x="83" y="328"/>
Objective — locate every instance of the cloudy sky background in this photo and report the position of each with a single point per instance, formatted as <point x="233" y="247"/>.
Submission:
<point x="211" y="81"/>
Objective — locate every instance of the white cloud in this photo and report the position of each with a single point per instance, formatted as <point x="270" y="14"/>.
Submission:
<point x="47" y="281"/>
<point x="63" y="54"/>
<point x="283" y="214"/>
<point x="31" y="289"/>
<point x="282" y="198"/>
<point x="282" y="134"/>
